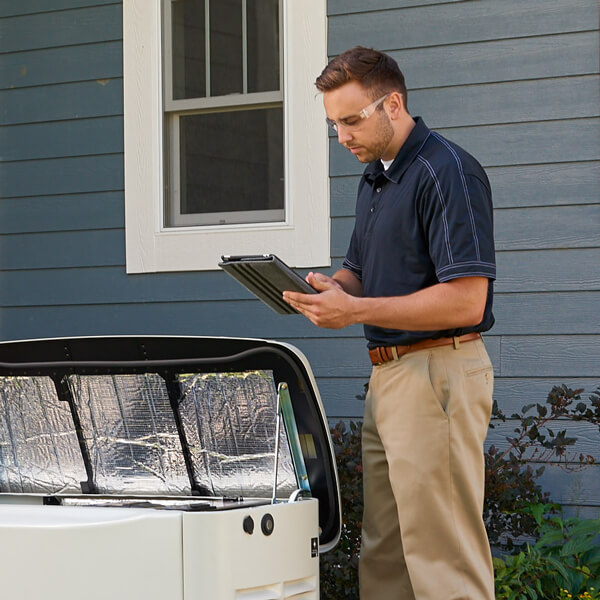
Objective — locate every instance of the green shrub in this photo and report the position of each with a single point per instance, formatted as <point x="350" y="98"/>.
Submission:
<point x="563" y="563"/>
<point x="511" y="483"/>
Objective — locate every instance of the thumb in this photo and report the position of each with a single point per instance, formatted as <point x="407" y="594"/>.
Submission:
<point x="321" y="282"/>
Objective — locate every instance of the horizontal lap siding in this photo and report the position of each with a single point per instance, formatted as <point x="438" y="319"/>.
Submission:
<point x="51" y="29"/>
<point x="26" y="7"/>
<point x="61" y="153"/>
<point x="62" y="102"/>
<point x="61" y="65"/>
<point x="442" y="24"/>
<point x="514" y="82"/>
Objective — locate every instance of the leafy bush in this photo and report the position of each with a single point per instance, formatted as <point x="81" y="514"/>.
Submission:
<point x="516" y="508"/>
<point x="564" y="561"/>
<point x="511" y="483"/>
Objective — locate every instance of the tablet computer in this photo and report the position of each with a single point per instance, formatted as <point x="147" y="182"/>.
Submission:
<point x="267" y="277"/>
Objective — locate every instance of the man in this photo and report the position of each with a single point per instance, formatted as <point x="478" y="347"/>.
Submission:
<point x="418" y="274"/>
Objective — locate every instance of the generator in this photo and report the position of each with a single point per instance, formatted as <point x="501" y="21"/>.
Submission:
<point x="163" y="468"/>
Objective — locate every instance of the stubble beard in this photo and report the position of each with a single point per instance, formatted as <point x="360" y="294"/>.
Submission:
<point x="384" y="134"/>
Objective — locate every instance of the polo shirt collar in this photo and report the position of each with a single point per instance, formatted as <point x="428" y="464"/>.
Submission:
<point x="408" y="152"/>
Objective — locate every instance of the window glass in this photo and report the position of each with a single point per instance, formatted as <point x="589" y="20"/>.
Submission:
<point x="188" y="49"/>
<point x="263" y="45"/>
<point x="243" y="41"/>
<point x="231" y="163"/>
<point x="226" y="53"/>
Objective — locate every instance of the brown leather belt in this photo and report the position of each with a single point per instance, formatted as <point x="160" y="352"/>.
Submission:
<point x="383" y="354"/>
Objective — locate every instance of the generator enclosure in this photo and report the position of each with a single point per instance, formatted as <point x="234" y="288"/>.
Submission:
<point x="153" y="468"/>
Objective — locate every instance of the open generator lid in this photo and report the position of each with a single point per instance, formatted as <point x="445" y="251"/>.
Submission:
<point x="150" y="417"/>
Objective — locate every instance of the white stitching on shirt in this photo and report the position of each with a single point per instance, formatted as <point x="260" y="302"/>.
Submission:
<point x="466" y="264"/>
<point x="464" y="182"/>
<point x="350" y="266"/>
<point x="441" y="197"/>
<point x="461" y="274"/>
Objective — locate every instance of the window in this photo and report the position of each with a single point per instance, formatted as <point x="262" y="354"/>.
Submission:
<point x="224" y="112"/>
<point x="225" y="151"/>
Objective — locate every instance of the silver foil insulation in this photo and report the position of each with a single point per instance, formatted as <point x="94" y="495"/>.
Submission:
<point x="128" y="429"/>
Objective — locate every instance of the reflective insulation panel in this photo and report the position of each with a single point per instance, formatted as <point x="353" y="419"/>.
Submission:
<point x="131" y="435"/>
<point x="39" y="451"/>
<point x="230" y="421"/>
<point x="128" y="427"/>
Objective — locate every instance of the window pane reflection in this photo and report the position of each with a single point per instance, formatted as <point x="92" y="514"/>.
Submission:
<point x="243" y="41"/>
<point x="189" y="49"/>
<point x="263" y="45"/>
<point x="230" y="162"/>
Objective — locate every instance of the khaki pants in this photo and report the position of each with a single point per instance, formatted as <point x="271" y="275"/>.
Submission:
<point x="426" y="418"/>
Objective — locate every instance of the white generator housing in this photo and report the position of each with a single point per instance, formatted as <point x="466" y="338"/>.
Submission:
<point x="196" y="539"/>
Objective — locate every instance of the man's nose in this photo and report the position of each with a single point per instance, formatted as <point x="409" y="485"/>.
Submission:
<point x="343" y="135"/>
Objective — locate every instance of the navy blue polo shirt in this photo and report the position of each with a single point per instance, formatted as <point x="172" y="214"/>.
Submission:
<point x="427" y="219"/>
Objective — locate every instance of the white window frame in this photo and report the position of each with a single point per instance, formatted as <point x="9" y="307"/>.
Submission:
<point x="303" y="240"/>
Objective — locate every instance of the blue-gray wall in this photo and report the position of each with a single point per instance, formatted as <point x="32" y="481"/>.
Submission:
<point x="515" y="82"/>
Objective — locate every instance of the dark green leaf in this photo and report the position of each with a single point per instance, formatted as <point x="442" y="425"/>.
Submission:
<point x="577" y="545"/>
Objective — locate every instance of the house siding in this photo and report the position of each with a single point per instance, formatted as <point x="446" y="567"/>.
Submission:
<point x="514" y="82"/>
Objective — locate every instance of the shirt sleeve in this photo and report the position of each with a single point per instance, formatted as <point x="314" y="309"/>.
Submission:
<point x="352" y="260"/>
<point x="457" y="219"/>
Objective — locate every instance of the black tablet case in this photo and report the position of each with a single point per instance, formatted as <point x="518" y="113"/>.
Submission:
<point x="266" y="276"/>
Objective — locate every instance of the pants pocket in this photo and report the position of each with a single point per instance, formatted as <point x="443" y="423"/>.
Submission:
<point x="438" y="379"/>
<point x="478" y="370"/>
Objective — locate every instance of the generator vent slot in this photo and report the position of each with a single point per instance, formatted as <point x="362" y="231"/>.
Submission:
<point x="297" y="589"/>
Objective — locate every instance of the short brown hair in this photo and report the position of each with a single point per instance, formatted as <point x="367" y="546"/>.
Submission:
<point x="375" y="71"/>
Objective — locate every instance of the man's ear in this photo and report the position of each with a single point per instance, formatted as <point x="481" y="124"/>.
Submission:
<point x="395" y="105"/>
